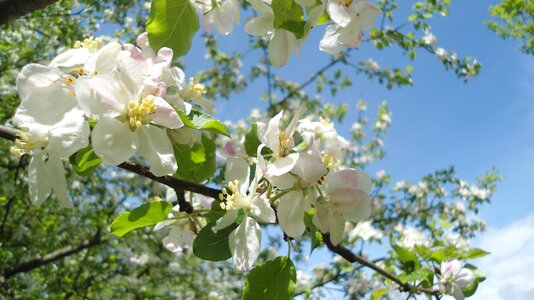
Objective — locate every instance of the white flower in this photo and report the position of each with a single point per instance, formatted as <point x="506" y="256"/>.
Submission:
<point x="365" y="231"/>
<point x="113" y="94"/>
<point x="453" y="278"/>
<point x="281" y="43"/>
<point x="222" y="16"/>
<point x="412" y="237"/>
<point x="441" y="54"/>
<point x="429" y="38"/>
<point x="346" y="198"/>
<point x="372" y="65"/>
<point x="245" y="240"/>
<point x="351" y="19"/>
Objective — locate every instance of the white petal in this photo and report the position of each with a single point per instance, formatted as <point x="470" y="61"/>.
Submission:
<point x="271" y="136"/>
<point x="368" y="13"/>
<point x="464" y="278"/>
<point x="244" y="244"/>
<point x="348" y="179"/>
<point x="46" y="173"/>
<point x="338" y="13"/>
<point x="102" y="95"/>
<point x="336" y="228"/>
<point x="321" y="218"/>
<point x="359" y="208"/>
<point x="329" y="43"/>
<point x="155" y="146"/>
<point x="284" y="182"/>
<point x="259" y="26"/>
<point x="262" y="209"/>
<point x="280" y="47"/>
<point x="69" y="136"/>
<point x="310" y="168"/>
<point x="226" y="220"/>
<point x="163" y="224"/>
<point x="238" y="169"/>
<point x="290" y="213"/>
<point x="282" y="165"/>
<point x="165" y="115"/>
<point x="71" y="58"/>
<point x="113" y="141"/>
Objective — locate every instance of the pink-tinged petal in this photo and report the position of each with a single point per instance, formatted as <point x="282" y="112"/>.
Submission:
<point x="226" y="220"/>
<point x="291" y="213"/>
<point x="320" y="218"/>
<point x="244" y="244"/>
<point x="348" y="179"/>
<point x="359" y="209"/>
<point x="155" y="146"/>
<point x="350" y="37"/>
<point x="282" y="165"/>
<point x="165" y="115"/>
<point x="113" y="141"/>
<point x="464" y="278"/>
<point x="310" y="168"/>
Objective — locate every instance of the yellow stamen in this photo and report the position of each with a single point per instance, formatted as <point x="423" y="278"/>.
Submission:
<point x="194" y="91"/>
<point x="25" y="143"/>
<point x="90" y="44"/>
<point x="329" y="160"/>
<point x="138" y="112"/>
<point x="284" y="144"/>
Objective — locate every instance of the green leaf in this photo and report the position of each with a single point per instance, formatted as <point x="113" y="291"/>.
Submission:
<point x="172" y="23"/>
<point x="196" y="163"/>
<point x="315" y="234"/>
<point x="288" y="15"/>
<point x="203" y="121"/>
<point x="272" y="280"/>
<point x="145" y="215"/>
<point x="409" y="260"/>
<point x="475" y="253"/>
<point x="85" y="161"/>
<point x="213" y="246"/>
<point x="252" y="141"/>
<point x="377" y="294"/>
<point x="419" y="275"/>
<point x="471" y="288"/>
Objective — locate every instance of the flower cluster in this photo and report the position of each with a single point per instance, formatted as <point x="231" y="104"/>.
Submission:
<point x="128" y="94"/>
<point x="297" y="172"/>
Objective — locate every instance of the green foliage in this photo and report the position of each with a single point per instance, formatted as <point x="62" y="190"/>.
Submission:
<point x="315" y="235"/>
<point x="196" y="163"/>
<point x="470" y="289"/>
<point x="288" y="15"/>
<point x="252" y="141"/>
<point x="514" y="19"/>
<point x="202" y="121"/>
<point x="213" y="246"/>
<point x="409" y="260"/>
<point x="85" y="161"/>
<point x="172" y="23"/>
<point x="144" y="215"/>
<point x="272" y="280"/>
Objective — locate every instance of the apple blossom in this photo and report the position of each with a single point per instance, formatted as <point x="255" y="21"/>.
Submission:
<point x="245" y="240"/>
<point x="453" y="278"/>
<point x="221" y="15"/>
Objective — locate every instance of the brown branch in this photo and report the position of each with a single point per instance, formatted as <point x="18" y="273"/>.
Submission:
<point x="12" y="9"/>
<point x="353" y="258"/>
<point x="56" y="255"/>
<point x="177" y="184"/>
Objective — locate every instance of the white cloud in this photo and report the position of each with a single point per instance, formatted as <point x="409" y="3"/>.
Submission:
<point x="510" y="267"/>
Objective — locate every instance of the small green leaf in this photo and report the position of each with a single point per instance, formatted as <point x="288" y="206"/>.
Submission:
<point x="419" y="275"/>
<point x="213" y="246"/>
<point x="196" y="163"/>
<point x="315" y="234"/>
<point x="272" y="280"/>
<point x="203" y="121"/>
<point x="172" y="23"/>
<point x="409" y="260"/>
<point x="288" y="15"/>
<point x="85" y="161"/>
<point x="252" y="141"/>
<point x="145" y="215"/>
<point x="377" y="294"/>
<point x="475" y="253"/>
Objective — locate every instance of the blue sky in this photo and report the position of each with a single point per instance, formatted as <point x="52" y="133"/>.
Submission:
<point x="442" y="122"/>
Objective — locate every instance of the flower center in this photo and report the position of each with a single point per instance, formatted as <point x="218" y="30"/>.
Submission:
<point x="90" y="44"/>
<point x="234" y="199"/>
<point x="28" y="142"/>
<point x="194" y="90"/>
<point x="329" y="160"/>
<point x="284" y="144"/>
<point x="139" y="111"/>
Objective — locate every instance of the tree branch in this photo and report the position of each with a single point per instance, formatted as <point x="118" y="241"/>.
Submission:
<point x="177" y="184"/>
<point x="56" y="255"/>
<point x="12" y="9"/>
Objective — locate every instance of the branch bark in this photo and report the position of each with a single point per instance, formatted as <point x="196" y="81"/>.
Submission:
<point x="12" y="9"/>
<point x="56" y="255"/>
